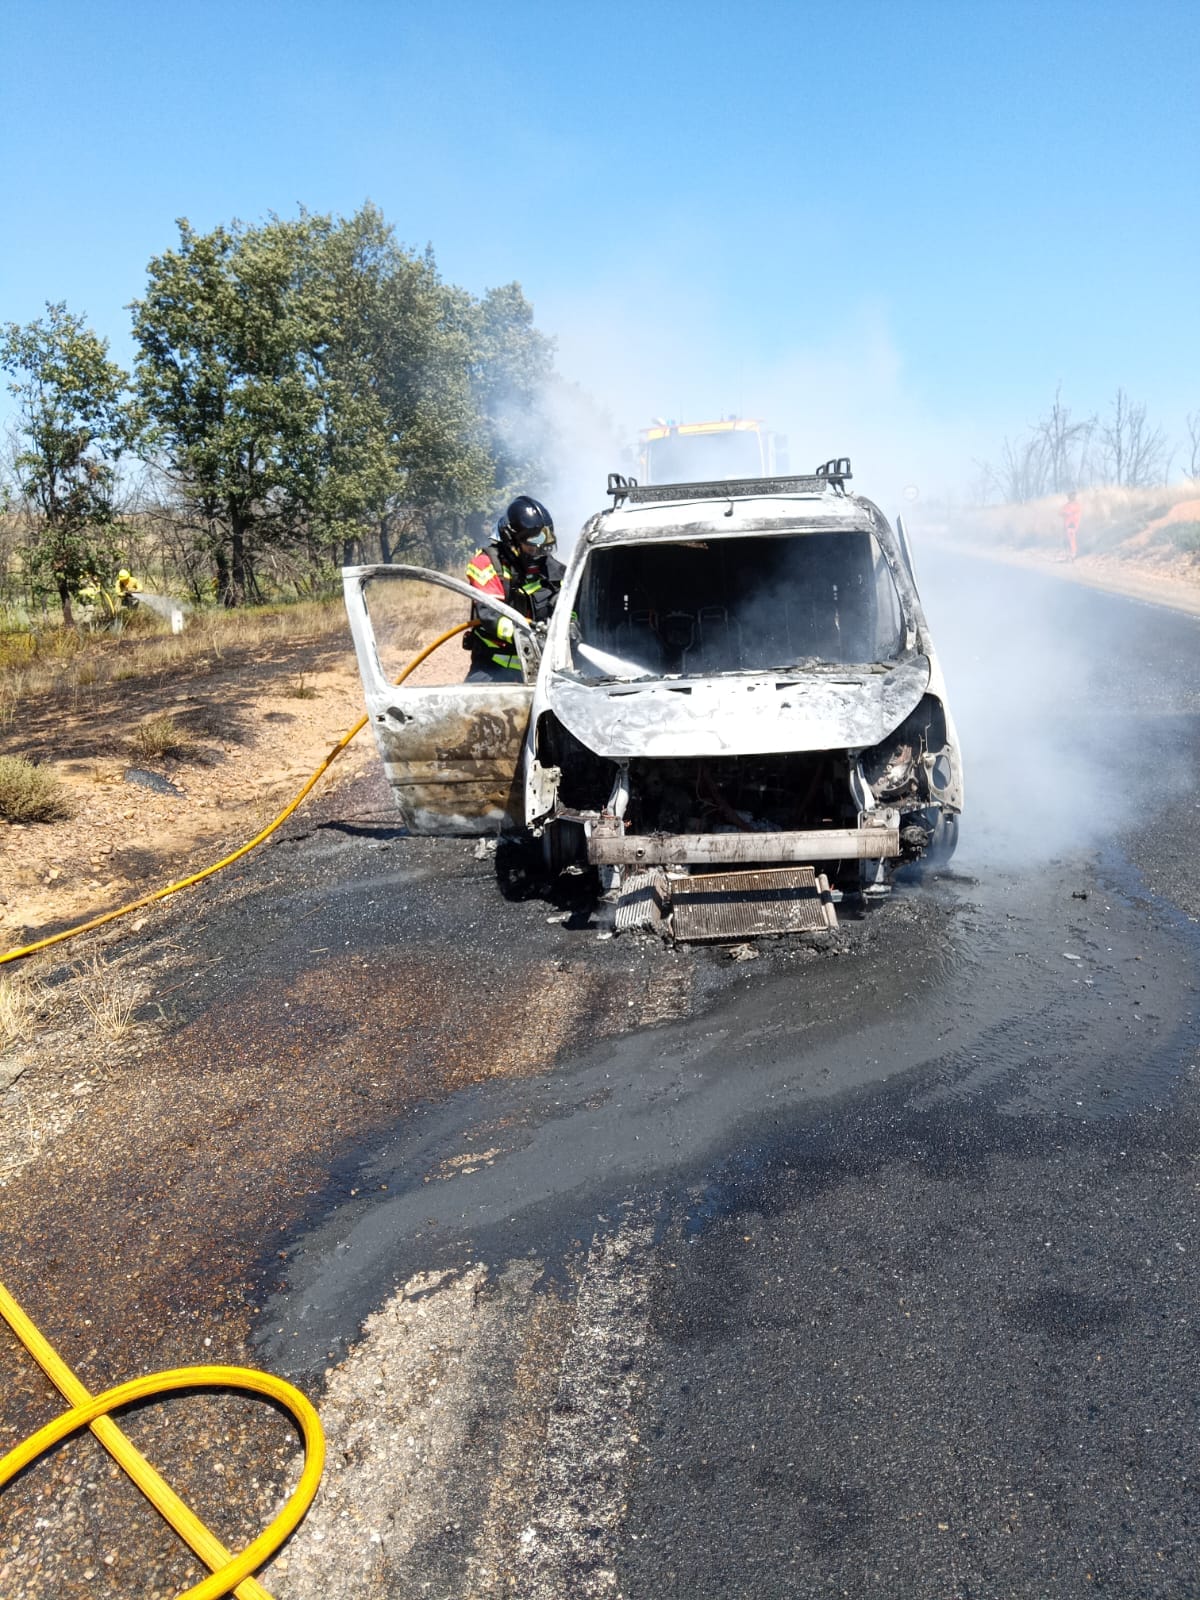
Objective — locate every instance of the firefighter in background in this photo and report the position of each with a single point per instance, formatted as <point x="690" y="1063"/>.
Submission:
<point x="1071" y="514"/>
<point x="520" y="569"/>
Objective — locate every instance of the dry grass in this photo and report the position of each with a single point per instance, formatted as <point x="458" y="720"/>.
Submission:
<point x="53" y="658"/>
<point x="30" y="793"/>
<point x="1110" y="518"/>
<point x="300" y="690"/>
<point x="21" y="1000"/>
<point x="405" y="615"/>
<point x="159" y="736"/>
<point x="405" y="612"/>
<point x="40" y="661"/>
<point x="110" y="996"/>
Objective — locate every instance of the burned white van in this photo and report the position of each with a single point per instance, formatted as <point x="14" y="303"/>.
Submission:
<point x="736" y="715"/>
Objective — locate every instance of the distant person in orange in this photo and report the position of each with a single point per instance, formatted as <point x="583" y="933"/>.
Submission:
<point x="1071" y="514"/>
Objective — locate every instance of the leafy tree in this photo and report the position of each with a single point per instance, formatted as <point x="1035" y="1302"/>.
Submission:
<point x="224" y="378"/>
<point x="311" y="382"/>
<point x="74" y="424"/>
<point x="510" y="365"/>
<point x="399" y="420"/>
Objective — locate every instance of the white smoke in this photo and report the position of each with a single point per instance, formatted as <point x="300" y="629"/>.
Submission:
<point x="1059" y="756"/>
<point x="644" y="349"/>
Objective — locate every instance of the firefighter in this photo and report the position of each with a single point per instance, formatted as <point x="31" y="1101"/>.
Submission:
<point x="127" y="587"/>
<point x="519" y="569"/>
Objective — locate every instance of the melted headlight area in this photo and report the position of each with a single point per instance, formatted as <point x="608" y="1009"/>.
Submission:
<point x="913" y="772"/>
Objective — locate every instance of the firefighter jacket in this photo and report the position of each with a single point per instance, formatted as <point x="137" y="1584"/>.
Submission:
<point x="531" y="591"/>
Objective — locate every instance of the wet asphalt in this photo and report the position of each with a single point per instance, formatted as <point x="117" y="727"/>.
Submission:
<point x="921" y="1204"/>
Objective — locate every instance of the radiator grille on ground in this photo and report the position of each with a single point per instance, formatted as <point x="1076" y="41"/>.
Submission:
<point x="740" y="905"/>
<point x="644" y="902"/>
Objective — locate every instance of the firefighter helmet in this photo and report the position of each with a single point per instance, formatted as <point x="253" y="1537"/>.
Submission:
<point x="526" y="522"/>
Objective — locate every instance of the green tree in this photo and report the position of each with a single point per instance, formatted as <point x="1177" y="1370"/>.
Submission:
<point x="314" y="383"/>
<point x="303" y="382"/>
<point x="225" y="386"/>
<point x="74" y="423"/>
<point x="398" y="416"/>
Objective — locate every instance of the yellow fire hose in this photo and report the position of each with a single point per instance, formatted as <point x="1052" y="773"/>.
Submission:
<point x="229" y="1572"/>
<point x="217" y="866"/>
<point x="87" y="1410"/>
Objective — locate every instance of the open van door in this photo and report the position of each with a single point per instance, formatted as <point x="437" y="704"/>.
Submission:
<point x="452" y="752"/>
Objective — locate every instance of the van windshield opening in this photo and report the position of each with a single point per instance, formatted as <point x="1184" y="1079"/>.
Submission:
<point x="747" y="604"/>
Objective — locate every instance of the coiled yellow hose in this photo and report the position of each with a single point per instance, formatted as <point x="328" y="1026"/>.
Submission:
<point x="227" y="861"/>
<point x="229" y="1572"/>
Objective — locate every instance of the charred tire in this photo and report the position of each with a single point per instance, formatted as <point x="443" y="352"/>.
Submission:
<point x="944" y="841"/>
<point x="564" y="844"/>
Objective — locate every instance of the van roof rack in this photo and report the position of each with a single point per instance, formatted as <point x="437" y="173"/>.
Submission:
<point x="836" y="471"/>
<point x="623" y="488"/>
<point x="832" y="475"/>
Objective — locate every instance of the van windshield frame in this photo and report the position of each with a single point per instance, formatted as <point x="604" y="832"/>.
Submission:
<point x="743" y="604"/>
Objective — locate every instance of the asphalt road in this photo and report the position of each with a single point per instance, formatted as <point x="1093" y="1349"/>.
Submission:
<point x="937" y="1337"/>
<point x="862" y="1271"/>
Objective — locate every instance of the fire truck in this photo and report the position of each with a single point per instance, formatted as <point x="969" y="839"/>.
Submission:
<point x="697" y="452"/>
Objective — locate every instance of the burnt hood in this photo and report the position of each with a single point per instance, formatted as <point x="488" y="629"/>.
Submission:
<point x="740" y="714"/>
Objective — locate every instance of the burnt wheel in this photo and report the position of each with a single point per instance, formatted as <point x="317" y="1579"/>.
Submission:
<point x="944" y="841"/>
<point x="564" y="844"/>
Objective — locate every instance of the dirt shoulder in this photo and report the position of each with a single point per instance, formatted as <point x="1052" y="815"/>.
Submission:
<point x="258" y="719"/>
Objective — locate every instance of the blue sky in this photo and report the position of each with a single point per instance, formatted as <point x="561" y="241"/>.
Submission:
<point x="891" y="229"/>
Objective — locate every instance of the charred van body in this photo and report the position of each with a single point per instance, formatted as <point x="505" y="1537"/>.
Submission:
<point x="738" y="679"/>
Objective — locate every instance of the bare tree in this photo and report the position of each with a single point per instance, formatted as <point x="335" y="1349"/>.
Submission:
<point x="1051" y="456"/>
<point x="1064" y="446"/>
<point x="1192" y="421"/>
<point x="1022" y="472"/>
<point x="1132" y="453"/>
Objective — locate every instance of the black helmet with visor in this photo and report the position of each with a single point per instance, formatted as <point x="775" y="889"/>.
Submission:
<point x="526" y="524"/>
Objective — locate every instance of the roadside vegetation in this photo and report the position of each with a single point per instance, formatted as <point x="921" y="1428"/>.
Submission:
<point x="1118" y="465"/>
<point x="157" y="737"/>
<point x="31" y="793"/>
<point x="306" y="393"/>
<point x="1156" y="528"/>
<point x="48" y="659"/>
<point x="84" y="670"/>
<point x="22" y="997"/>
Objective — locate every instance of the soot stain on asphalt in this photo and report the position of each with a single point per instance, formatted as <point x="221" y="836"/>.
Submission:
<point x="1024" y="1095"/>
<point x="947" y="1002"/>
<point x="871" y="1129"/>
<point x="562" y="1147"/>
